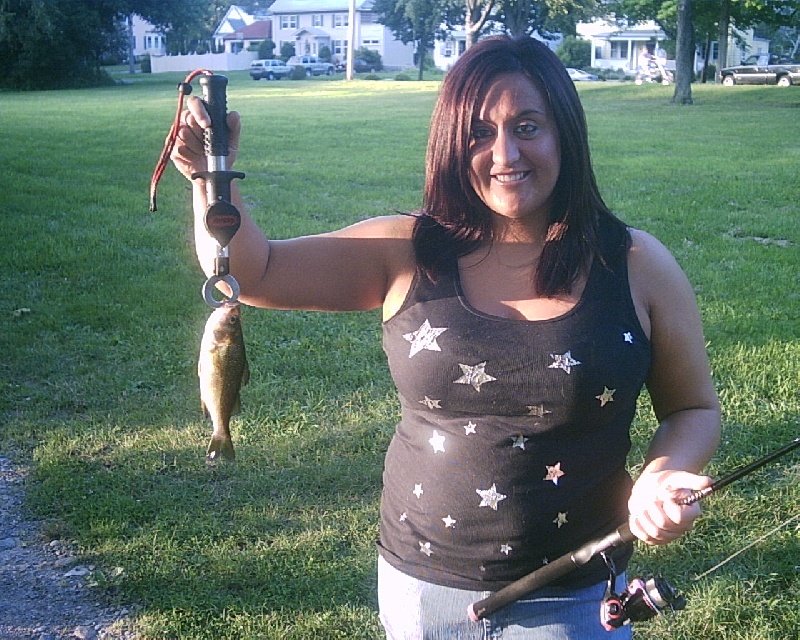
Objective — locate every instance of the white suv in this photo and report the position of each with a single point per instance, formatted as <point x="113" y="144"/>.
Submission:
<point x="272" y="69"/>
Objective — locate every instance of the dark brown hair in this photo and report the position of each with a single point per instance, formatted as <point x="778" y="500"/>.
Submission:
<point x="455" y="220"/>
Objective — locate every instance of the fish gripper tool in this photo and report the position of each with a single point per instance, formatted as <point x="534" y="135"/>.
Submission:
<point x="222" y="218"/>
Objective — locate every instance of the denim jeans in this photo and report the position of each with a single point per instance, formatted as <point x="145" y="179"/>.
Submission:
<point x="411" y="609"/>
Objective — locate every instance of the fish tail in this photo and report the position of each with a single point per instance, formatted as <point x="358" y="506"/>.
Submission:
<point x="220" y="446"/>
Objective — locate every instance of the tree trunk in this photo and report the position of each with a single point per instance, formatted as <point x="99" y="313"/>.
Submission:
<point x="684" y="54"/>
<point x="131" y="57"/>
<point x="722" y="37"/>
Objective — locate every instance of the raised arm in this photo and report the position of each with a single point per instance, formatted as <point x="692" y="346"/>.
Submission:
<point x="682" y="392"/>
<point x="356" y="268"/>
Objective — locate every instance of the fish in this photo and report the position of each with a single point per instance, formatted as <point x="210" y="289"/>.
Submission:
<point x="223" y="370"/>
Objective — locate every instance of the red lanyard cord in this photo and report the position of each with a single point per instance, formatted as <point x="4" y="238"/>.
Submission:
<point x="184" y="89"/>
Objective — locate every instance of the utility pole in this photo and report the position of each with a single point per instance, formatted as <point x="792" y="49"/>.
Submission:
<point x="351" y="37"/>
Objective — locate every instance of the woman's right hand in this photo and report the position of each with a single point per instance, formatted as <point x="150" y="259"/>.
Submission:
<point x="188" y="154"/>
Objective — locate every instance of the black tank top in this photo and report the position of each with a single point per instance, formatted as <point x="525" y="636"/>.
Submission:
<point x="512" y="444"/>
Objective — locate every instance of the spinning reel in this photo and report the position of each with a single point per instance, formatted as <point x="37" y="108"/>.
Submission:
<point x="642" y="599"/>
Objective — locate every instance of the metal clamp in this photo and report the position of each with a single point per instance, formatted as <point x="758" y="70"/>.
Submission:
<point x="211" y="285"/>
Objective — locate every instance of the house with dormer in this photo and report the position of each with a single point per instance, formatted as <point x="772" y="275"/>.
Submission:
<point x="311" y="25"/>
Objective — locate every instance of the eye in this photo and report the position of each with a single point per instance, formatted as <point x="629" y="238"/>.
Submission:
<point x="526" y="130"/>
<point x="481" y="131"/>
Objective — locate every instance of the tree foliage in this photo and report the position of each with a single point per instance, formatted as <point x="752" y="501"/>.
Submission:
<point x="414" y="21"/>
<point x="54" y="44"/>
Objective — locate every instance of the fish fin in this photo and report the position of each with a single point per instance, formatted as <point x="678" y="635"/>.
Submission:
<point x="220" y="446"/>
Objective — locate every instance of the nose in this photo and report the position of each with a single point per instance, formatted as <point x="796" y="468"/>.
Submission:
<point x="505" y="150"/>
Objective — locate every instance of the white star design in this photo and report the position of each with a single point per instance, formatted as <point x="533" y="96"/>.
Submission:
<point x="431" y="404"/>
<point x="449" y="523"/>
<point x="424" y="338"/>
<point x="606" y="397"/>
<point x="564" y="361"/>
<point x="561" y="519"/>
<point x="437" y="441"/>
<point x="474" y="375"/>
<point x="505" y="548"/>
<point x="628" y="337"/>
<point x="403" y="516"/>
<point x="418" y="491"/>
<point x="519" y="442"/>
<point x="469" y="428"/>
<point x="425" y="547"/>
<point x="553" y="473"/>
<point x="490" y="497"/>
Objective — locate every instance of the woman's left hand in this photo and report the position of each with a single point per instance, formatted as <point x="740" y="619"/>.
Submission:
<point x="655" y="515"/>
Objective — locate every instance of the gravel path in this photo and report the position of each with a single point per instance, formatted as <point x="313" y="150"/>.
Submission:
<point x="43" y="585"/>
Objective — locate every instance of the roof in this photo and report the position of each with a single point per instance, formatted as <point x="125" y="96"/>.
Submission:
<point x="256" y="31"/>
<point x="317" y="6"/>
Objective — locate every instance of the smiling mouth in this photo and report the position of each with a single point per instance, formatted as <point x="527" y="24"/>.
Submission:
<point x="505" y="178"/>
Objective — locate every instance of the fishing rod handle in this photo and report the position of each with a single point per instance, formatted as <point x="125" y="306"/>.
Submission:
<point x="548" y="573"/>
<point x="216" y="101"/>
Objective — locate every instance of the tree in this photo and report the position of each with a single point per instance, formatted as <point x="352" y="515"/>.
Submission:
<point x="684" y="54"/>
<point x="413" y="21"/>
<point x="54" y="44"/>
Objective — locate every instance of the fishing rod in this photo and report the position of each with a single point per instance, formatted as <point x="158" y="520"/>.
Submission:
<point x="222" y="219"/>
<point x="642" y="599"/>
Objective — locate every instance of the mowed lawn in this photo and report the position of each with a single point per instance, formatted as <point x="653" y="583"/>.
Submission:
<point x="102" y="317"/>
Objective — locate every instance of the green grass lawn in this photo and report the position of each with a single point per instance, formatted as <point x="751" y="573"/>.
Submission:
<point x="102" y="316"/>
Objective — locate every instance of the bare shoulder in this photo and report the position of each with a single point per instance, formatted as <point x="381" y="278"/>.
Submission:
<point x="397" y="227"/>
<point x="652" y="266"/>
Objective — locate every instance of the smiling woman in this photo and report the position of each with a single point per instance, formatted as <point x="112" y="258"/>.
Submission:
<point x="521" y="320"/>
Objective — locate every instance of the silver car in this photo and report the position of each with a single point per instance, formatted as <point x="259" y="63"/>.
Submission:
<point x="271" y="69"/>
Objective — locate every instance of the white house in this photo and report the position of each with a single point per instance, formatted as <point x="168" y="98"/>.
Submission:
<point x="146" y="39"/>
<point x="235" y="19"/>
<point x="312" y="24"/>
<point x="622" y="47"/>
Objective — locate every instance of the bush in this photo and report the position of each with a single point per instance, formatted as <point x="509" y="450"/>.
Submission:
<point x="266" y="49"/>
<point x="287" y="50"/>
<point x="575" y="52"/>
<point x="372" y="58"/>
<point x="402" y="77"/>
<point x="325" y="53"/>
<point x="298" y="73"/>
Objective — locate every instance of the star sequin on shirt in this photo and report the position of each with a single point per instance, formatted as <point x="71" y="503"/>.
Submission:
<point x="449" y="522"/>
<point x="424" y="338"/>
<point x="490" y="497"/>
<point x="425" y="547"/>
<point x="606" y="397"/>
<point x="553" y="473"/>
<point x="564" y="361"/>
<point x="470" y="428"/>
<point x="628" y="337"/>
<point x="474" y="375"/>
<point x="506" y="548"/>
<point x="519" y="442"/>
<point x="431" y="404"/>
<point x="561" y="519"/>
<point x="437" y="441"/>
<point x="418" y="491"/>
<point x="537" y="410"/>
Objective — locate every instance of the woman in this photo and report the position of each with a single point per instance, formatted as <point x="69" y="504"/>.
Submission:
<point x="521" y="320"/>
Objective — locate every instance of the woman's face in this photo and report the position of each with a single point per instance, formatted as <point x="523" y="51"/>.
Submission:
<point x="515" y="157"/>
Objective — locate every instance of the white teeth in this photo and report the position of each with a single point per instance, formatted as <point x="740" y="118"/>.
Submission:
<point x="510" y="177"/>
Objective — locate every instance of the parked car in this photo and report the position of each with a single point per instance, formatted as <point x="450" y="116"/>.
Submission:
<point x="359" y="66"/>
<point x="313" y="65"/>
<point x="269" y="69"/>
<point x="578" y="75"/>
<point x="762" y="69"/>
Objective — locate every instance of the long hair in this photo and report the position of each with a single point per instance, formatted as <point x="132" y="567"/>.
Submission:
<point x="454" y="220"/>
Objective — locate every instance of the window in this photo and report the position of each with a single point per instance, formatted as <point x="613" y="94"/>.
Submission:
<point x="367" y="17"/>
<point x="340" y="47"/>
<point x="619" y="49"/>
<point x="341" y="19"/>
<point x="317" y="20"/>
<point x="288" y="22"/>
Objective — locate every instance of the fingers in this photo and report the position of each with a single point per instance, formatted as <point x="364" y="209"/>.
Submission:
<point x="188" y="153"/>
<point x="655" y="515"/>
